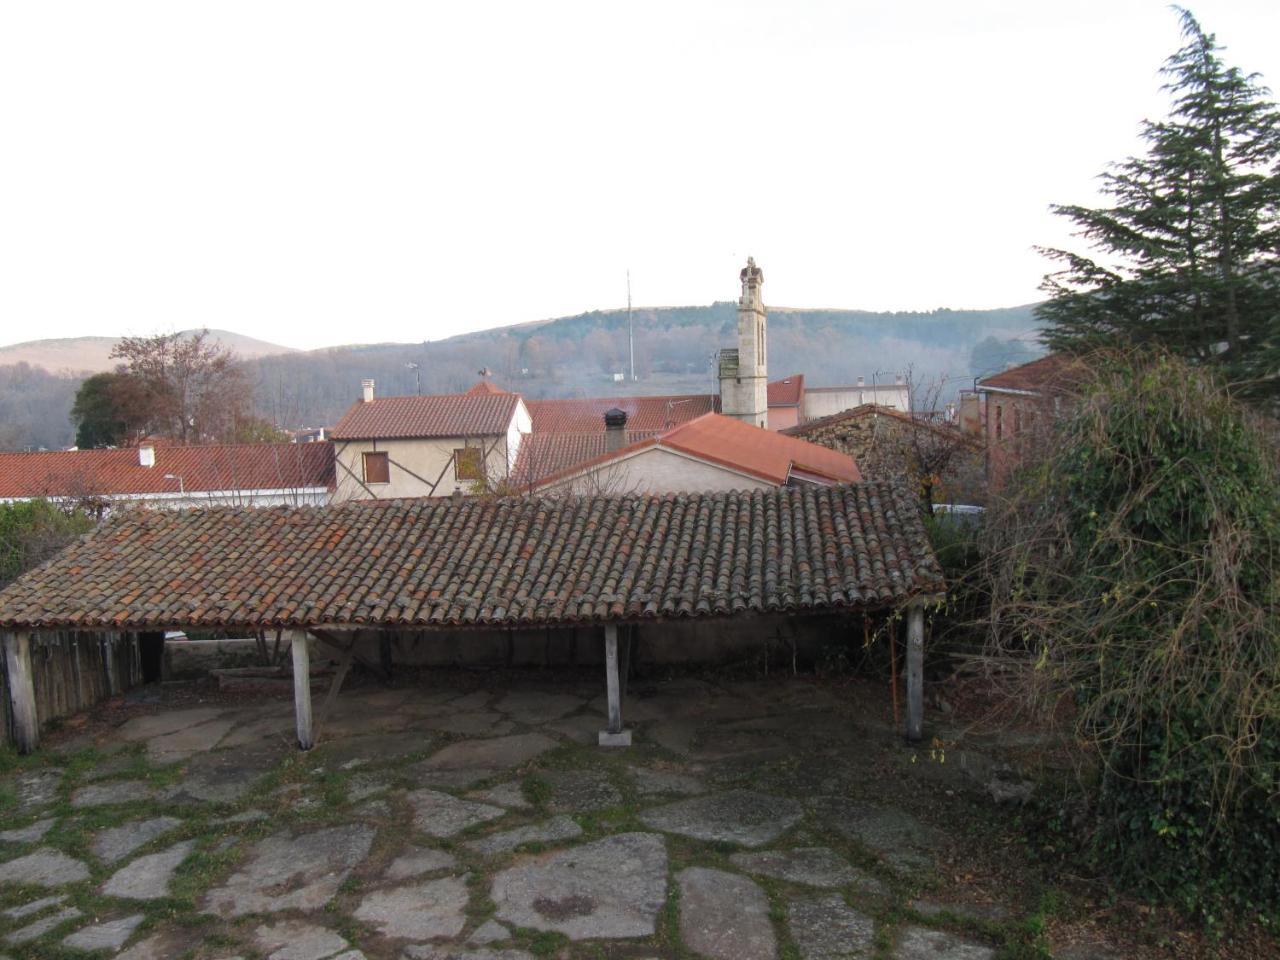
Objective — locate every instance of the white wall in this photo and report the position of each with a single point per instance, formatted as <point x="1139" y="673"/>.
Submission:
<point x="824" y="401"/>
<point x="418" y="468"/>
<point x="657" y="470"/>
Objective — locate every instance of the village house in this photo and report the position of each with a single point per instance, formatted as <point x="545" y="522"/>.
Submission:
<point x="710" y="452"/>
<point x="941" y="461"/>
<point x="1014" y="404"/>
<point x="171" y="477"/>
<point x="427" y="446"/>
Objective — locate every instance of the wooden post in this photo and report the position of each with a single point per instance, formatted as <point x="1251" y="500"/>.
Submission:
<point x="915" y="671"/>
<point x="22" y="692"/>
<point x="613" y="735"/>
<point x="298" y="646"/>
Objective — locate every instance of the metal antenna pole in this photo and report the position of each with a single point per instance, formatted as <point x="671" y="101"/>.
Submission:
<point x="631" y="336"/>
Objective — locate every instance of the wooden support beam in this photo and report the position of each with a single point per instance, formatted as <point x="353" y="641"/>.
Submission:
<point x="22" y="692"/>
<point x="299" y="646"/>
<point x="613" y="735"/>
<point x="915" y="672"/>
<point x="335" y="685"/>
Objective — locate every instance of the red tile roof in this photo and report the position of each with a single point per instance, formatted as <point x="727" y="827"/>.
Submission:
<point x="862" y="411"/>
<point x="765" y="454"/>
<point x="787" y="392"/>
<point x="644" y="414"/>
<point x="442" y="415"/>
<point x="245" y="466"/>
<point x="544" y="454"/>
<point x="1054" y="371"/>
<point x="488" y="562"/>
<point x="484" y="388"/>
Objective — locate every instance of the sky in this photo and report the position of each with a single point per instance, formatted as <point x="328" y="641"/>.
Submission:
<point x="315" y="173"/>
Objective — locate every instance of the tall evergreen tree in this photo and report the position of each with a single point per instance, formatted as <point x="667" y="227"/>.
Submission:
<point x="1188" y="254"/>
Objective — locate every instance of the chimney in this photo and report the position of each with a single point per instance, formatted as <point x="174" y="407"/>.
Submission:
<point x="615" y="429"/>
<point x="146" y="455"/>
<point x="899" y="379"/>
<point x="862" y="381"/>
<point x="367" y="386"/>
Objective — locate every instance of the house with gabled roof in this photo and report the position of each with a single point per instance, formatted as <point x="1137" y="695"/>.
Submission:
<point x="711" y="452"/>
<point x="429" y="446"/>
<point x="1016" y="403"/>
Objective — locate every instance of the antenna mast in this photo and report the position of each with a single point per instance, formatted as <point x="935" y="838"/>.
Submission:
<point x="631" y="336"/>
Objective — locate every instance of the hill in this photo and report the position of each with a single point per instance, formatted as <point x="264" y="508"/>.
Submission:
<point x="93" y="354"/>
<point x="564" y="357"/>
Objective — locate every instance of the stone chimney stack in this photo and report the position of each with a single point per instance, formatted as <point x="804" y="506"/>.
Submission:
<point x="615" y="429"/>
<point x="367" y="387"/>
<point x="744" y="377"/>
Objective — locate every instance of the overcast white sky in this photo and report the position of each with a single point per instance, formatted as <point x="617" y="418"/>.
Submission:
<point x="317" y="173"/>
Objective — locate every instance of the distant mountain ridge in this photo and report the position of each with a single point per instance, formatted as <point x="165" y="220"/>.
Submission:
<point x="585" y="355"/>
<point x="93" y="354"/>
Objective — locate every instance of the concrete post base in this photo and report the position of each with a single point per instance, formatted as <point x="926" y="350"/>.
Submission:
<point x="608" y="739"/>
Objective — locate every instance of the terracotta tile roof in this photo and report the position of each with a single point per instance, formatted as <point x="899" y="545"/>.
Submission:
<point x="244" y="466"/>
<point x="1054" y="371"/>
<point x="765" y="454"/>
<point x="644" y="414"/>
<point x="442" y="415"/>
<point x="484" y="388"/>
<point x="544" y="454"/>
<point x="497" y="562"/>
<point x="787" y="392"/>
<point x="863" y="411"/>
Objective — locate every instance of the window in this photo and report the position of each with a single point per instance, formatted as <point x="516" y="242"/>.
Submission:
<point x="999" y="421"/>
<point x="467" y="464"/>
<point x="376" y="468"/>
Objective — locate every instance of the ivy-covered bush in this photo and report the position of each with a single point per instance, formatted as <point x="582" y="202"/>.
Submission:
<point x="33" y="531"/>
<point x="1134" y="577"/>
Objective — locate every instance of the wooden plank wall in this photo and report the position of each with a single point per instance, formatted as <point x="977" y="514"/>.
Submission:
<point x="69" y="672"/>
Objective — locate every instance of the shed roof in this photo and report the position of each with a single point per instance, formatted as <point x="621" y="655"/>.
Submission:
<point x="787" y="392"/>
<point x="509" y="562"/>
<point x="203" y="469"/>
<point x="441" y="415"/>
<point x="1052" y="372"/>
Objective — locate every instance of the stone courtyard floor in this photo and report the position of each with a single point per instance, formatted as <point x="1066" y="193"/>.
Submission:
<point x="479" y="820"/>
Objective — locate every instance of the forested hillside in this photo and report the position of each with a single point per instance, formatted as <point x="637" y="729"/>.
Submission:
<point x="577" y="356"/>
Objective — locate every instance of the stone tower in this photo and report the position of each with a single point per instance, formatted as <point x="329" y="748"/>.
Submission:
<point x="744" y="379"/>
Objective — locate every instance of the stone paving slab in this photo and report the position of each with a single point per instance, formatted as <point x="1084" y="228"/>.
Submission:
<point x="116" y="843"/>
<point x="423" y="911"/>
<point x="478" y="724"/>
<point x="297" y="940"/>
<point x="811" y="866"/>
<point x="580" y="791"/>
<point x="583" y="728"/>
<point x="607" y="889"/>
<point x="827" y="928"/>
<point x="148" y="878"/>
<point x="491" y="931"/>
<point x="163" y="724"/>
<point x="116" y="791"/>
<point x="443" y="815"/>
<point x="533" y="707"/>
<point x="33" y="931"/>
<point x="737" y="816"/>
<point x="418" y="951"/>
<point x="30" y="833"/>
<point x="105" y="934"/>
<point x="292" y="872"/>
<point x="417" y="862"/>
<point x="226" y="776"/>
<point x="184" y="743"/>
<point x="653" y="782"/>
<point x="35" y="906"/>
<point x="557" y="828"/>
<point x="499" y="753"/>
<point x="45" y="867"/>
<point x="352" y="752"/>
<point x="898" y="837"/>
<point x="921" y="943"/>
<point x="509" y="795"/>
<point x="724" y="916"/>
<point x="35" y="788"/>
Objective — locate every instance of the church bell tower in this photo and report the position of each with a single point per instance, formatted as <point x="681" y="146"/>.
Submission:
<point x="744" y="379"/>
